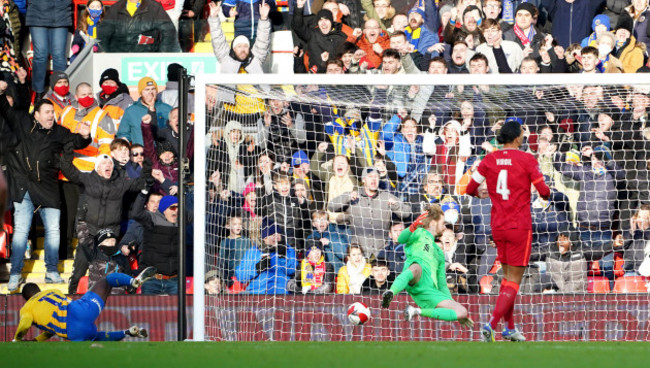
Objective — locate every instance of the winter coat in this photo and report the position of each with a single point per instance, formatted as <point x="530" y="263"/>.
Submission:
<point x="259" y="52"/>
<point x="513" y="52"/>
<point x="597" y="201"/>
<point x="535" y="44"/>
<point x="281" y="139"/>
<point x="132" y="118"/>
<point x="116" y="106"/>
<point x="16" y="26"/>
<point x="231" y="253"/>
<point x="370" y="217"/>
<point x="642" y="28"/>
<point x="394" y="255"/>
<point x="631" y="55"/>
<point x="34" y="162"/>
<point x="343" y="279"/>
<point x="336" y="250"/>
<point x="271" y="281"/>
<point x="248" y="15"/>
<point x="568" y="271"/>
<point x="614" y="10"/>
<point x="317" y="42"/>
<point x="374" y="58"/>
<point x="149" y="29"/>
<point x="547" y="222"/>
<point x="49" y="13"/>
<point x="170" y="171"/>
<point x="220" y="159"/>
<point x="285" y="212"/>
<point x="101" y="202"/>
<point x="571" y="21"/>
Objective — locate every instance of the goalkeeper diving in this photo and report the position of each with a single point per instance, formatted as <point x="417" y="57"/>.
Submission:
<point x="424" y="276"/>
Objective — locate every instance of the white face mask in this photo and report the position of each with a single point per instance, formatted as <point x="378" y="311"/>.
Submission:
<point x="604" y="50"/>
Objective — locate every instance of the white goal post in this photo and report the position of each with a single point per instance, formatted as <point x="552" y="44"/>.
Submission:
<point x="535" y="310"/>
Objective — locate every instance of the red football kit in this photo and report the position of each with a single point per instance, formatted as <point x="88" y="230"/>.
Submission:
<point x="509" y="174"/>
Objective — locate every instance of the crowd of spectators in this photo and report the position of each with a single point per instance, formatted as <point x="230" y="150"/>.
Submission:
<point x="310" y="197"/>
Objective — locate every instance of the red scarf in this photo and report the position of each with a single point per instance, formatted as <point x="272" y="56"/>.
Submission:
<point x="522" y="37"/>
<point x="317" y="271"/>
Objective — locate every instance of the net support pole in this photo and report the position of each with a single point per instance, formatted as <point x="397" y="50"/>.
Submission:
<point x="183" y="166"/>
<point x="198" y="307"/>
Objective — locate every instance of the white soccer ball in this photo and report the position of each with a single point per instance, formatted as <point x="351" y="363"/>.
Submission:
<point x="358" y="313"/>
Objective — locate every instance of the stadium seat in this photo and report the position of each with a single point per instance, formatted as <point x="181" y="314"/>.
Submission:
<point x="598" y="285"/>
<point x="630" y="284"/>
<point x="189" y="285"/>
<point x="236" y="287"/>
<point x="83" y="285"/>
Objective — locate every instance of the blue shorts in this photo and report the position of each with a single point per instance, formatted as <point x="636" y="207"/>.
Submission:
<point x="82" y="314"/>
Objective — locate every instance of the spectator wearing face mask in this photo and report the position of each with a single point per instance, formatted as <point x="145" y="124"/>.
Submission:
<point x="114" y="97"/>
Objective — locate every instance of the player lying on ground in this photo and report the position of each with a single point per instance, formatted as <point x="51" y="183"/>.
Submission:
<point x="509" y="174"/>
<point x="424" y="276"/>
<point x="54" y="314"/>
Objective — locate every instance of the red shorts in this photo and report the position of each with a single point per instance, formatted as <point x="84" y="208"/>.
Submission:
<point x="513" y="246"/>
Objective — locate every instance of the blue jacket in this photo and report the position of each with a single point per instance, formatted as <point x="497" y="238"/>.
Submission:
<point x="22" y="6"/>
<point x="481" y="211"/>
<point x="394" y="255"/>
<point x="248" y="14"/>
<point x="132" y="118"/>
<point x="571" y="22"/>
<point x="49" y="13"/>
<point x="399" y="150"/>
<point x="273" y="280"/>
<point x="422" y="41"/>
<point x="336" y="250"/>
<point x="549" y="221"/>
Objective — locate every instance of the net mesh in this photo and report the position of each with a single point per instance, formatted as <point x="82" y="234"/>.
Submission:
<point x="308" y="188"/>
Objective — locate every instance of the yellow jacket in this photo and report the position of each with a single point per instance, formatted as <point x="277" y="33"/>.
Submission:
<point x="343" y="279"/>
<point x="632" y="56"/>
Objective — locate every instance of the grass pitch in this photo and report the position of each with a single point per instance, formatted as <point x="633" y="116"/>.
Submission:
<point x="326" y="354"/>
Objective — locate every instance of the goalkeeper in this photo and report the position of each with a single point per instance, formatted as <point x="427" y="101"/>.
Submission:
<point x="424" y="276"/>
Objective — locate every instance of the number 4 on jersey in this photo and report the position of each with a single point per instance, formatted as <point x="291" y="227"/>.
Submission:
<point x="502" y="185"/>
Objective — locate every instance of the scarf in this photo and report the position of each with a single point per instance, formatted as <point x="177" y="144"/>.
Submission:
<point x="92" y="26"/>
<point x="525" y="39"/>
<point x="8" y="61"/>
<point x="233" y="152"/>
<point x="508" y="13"/>
<point x="314" y="273"/>
<point x="356" y="277"/>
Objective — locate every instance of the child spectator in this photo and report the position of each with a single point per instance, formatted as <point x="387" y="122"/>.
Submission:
<point x="315" y="275"/>
<point x="134" y="166"/>
<point x="378" y="281"/>
<point x="599" y="25"/>
<point x="86" y="31"/>
<point x="393" y="253"/>
<point x="261" y="178"/>
<point x="269" y="265"/>
<point x="284" y="210"/>
<point x="214" y="283"/>
<point x="333" y="240"/>
<point x="457" y="273"/>
<point x="354" y="273"/>
<point x="566" y="264"/>
<point x="388" y="179"/>
<point x="608" y="62"/>
<point x="232" y="248"/>
<point x="312" y="183"/>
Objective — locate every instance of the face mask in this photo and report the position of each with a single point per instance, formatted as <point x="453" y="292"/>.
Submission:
<point x="61" y="90"/>
<point x="86" y="102"/>
<point x="109" y="90"/>
<point x="604" y="50"/>
<point x="94" y="14"/>
<point x="109" y="251"/>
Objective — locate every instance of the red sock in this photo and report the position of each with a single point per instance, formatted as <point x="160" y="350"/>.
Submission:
<point x="505" y="302"/>
<point x="510" y="321"/>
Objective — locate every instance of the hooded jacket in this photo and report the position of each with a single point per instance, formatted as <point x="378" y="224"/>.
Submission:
<point x="631" y="55"/>
<point x="316" y="41"/>
<point x="253" y="65"/>
<point x="223" y="156"/>
<point x="101" y="203"/>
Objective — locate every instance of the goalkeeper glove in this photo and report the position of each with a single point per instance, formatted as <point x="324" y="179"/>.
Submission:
<point x="418" y="222"/>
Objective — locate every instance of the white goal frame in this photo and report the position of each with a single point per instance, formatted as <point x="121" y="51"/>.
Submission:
<point x="202" y="81"/>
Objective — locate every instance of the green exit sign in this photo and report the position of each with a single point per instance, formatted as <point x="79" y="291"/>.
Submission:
<point x="155" y="66"/>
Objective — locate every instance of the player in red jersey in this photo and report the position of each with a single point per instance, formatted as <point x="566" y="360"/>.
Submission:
<point x="509" y="174"/>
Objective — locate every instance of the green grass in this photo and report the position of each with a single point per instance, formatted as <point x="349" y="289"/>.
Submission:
<point x="327" y="354"/>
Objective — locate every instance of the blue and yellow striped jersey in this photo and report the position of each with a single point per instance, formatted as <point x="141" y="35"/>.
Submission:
<point x="47" y="310"/>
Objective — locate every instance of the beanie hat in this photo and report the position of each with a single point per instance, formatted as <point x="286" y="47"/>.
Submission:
<point x="101" y="158"/>
<point x="324" y="13"/>
<point x="109" y="74"/>
<point x="472" y="8"/>
<point x="57" y="76"/>
<point x="419" y="11"/>
<point x="299" y="158"/>
<point x="532" y="9"/>
<point x="166" y="202"/>
<point x="445" y="9"/>
<point x="146" y="82"/>
<point x="241" y="39"/>
<point x="174" y="72"/>
<point x="600" y="19"/>
<point x="104" y="234"/>
<point x="625" y="22"/>
<point x="165" y="146"/>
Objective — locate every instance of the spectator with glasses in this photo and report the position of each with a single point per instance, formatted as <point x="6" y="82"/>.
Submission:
<point x="134" y="166"/>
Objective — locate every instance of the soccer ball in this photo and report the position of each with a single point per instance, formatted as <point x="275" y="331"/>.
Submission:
<point x="358" y="313"/>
